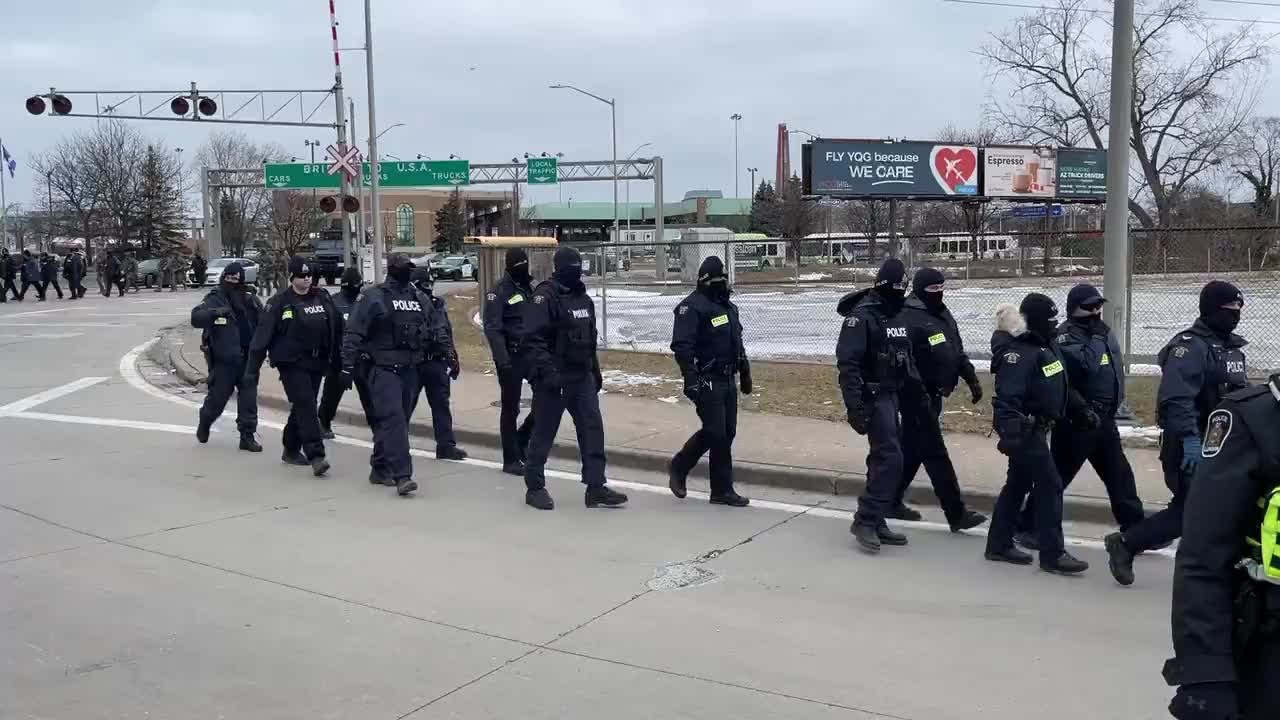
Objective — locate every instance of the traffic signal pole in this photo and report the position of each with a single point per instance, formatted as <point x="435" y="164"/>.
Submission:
<point x="340" y="110"/>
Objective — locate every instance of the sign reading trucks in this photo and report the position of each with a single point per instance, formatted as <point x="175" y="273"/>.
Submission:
<point x="875" y="168"/>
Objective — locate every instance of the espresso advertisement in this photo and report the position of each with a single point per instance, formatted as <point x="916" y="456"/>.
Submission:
<point x="1019" y="172"/>
<point x="1082" y="174"/>
<point x="877" y="169"/>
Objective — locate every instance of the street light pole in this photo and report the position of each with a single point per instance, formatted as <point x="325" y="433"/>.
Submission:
<point x="1115" y="274"/>
<point x="633" y="154"/>
<point x="735" y="118"/>
<point x="753" y="172"/>
<point x="374" y="169"/>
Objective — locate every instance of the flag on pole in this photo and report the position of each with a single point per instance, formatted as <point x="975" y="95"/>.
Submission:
<point x="9" y="162"/>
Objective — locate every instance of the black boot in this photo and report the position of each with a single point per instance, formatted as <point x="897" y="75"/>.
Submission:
<point x="676" y="481"/>
<point x="377" y="478"/>
<point x="540" y="499"/>
<point x="406" y="487"/>
<point x="319" y="466"/>
<point x="1119" y="558"/>
<point x="1064" y="564"/>
<point x="450" y="452"/>
<point x="1027" y="540"/>
<point x="1011" y="555"/>
<point x="866" y="535"/>
<point x="249" y="444"/>
<point x="202" y="432"/>
<point x="889" y="537"/>
<point x="968" y="521"/>
<point x="514" y="468"/>
<point x="597" y="495"/>
<point x="905" y="512"/>
<point x="293" y="458"/>
<point x="326" y="431"/>
<point x="731" y="498"/>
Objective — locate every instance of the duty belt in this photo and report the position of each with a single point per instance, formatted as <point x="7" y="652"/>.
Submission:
<point x="718" y="368"/>
<point x="437" y="356"/>
<point x="1042" y="424"/>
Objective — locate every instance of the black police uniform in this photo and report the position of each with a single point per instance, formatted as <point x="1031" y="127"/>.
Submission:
<point x="504" y="329"/>
<point x="707" y="342"/>
<point x="344" y="302"/>
<point x="1226" y="605"/>
<point x="6" y="276"/>
<point x="49" y="276"/>
<point x="389" y="327"/>
<point x="560" y="337"/>
<point x="438" y="368"/>
<point x="873" y="356"/>
<point x="300" y="332"/>
<point x="228" y="317"/>
<point x="1031" y="395"/>
<point x="1198" y="368"/>
<point x="941" y="361"/>
<point x="30" y="276"/>
<point x="1095" y="369"/>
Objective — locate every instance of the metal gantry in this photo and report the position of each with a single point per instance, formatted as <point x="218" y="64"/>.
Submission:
<point x="579" y="171"/>
<point x="238" y="107"/>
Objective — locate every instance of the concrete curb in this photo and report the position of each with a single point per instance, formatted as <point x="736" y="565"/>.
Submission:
<point x="1076" y="508"/>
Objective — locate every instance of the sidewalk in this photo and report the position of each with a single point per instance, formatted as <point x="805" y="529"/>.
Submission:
<point x="788" y="452"/>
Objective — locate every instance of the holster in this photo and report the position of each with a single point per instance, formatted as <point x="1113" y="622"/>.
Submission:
<point x="1256" y="610"/>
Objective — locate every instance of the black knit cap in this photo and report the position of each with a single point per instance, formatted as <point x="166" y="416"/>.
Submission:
<point x="1036" y="306"/>
<point x="892" y="272"/>
<point x="298" y="266"/>
<point x="925" y="277"/>
<point x="233" y="269"/>
<point x="1083" y="294"/>
<point x="711" y="267"/>
<point x="351" y="277"/>
<point x="1218" y="293"/>
<point x="565" y="257"/>
<point x="516" y="257"/>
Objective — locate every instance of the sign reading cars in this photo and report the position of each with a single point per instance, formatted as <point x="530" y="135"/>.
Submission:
<point x="874" y="168"/>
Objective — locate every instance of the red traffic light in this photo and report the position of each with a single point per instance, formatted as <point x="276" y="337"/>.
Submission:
<point x="207" y="106"/>
<point x="328" y="203"/>
<point x="35" y="105"/>
<point x="180" y="106"/>
<point x="61" y="104"/>
<point x="350" y="204"/>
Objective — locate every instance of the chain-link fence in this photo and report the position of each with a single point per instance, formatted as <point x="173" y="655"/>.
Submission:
<point x="788" y="308"/>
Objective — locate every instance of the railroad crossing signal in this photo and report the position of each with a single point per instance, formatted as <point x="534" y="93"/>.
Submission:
<point x="344" y="161"/>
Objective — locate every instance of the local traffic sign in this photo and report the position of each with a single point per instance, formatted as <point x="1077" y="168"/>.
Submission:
<point x="422" y="173"/>
<point x="344" y="160"/>
<point x="299" y="176"/>
<point x="542" y="170"/>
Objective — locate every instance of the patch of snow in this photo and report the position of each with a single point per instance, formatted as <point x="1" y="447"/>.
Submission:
<point x="623" y="293"/>
<point x="814" y="276"/>
<point x="626" y="379"/>
<point x="1140" y="432"/>
<point x="669" y="400"/>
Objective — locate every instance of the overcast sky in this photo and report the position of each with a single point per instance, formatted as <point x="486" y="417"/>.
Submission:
<point x="471" y="77"/>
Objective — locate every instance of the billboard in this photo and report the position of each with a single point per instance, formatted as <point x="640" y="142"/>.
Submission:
<point x="876" y="168"/>
<point x="1082" y="174"/>
<point x="1019" y="172"/>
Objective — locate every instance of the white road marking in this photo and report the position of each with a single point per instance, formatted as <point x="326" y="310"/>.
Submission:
<point x="41" y="336"/>
<point x="106" y="422"/>
<point x="67" y="324"/>
<point x="52" y="394"/>
<point x="135" y="379"/>
<point x="40" y="312"/>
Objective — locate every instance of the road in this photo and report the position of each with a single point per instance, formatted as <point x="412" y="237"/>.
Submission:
<point x="145" y="576"/>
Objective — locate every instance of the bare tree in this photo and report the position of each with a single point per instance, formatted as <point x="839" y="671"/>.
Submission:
<point x="61" y="172"/>
<point x="290" y="222"/>
<point x="1257" y="150"/>
<point x="243" y="211"/>
<point x="868" y="217"/>
<point x="116" y="155"/>
<point x="1187" y="105"/>
<point x="797" y="216"/>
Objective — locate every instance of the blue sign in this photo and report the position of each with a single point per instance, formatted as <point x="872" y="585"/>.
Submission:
<point x="1032" y="211"/>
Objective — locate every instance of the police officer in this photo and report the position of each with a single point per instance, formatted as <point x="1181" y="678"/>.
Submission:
<point x="31" y="276"/>
<point x="77" y="272"/>
<point x="1095" y="368"/>
<point x="388" y="326"/>
<point x="115" y="273"/>
<point x="560" y="334"/>
<point x="439" y="368"/>
<point x="1031" y="395"/>
<point x="1226" y="583"/>
<point x="129" y="272"/>
<point x="299" y="330"/>
<point x="707" y="343"/>
<point x="873" y="356"/>
<point x="504" y="329"/>
<point x="49" y="274"/>
<point x="344" y="302"/>
<point x="1199" y="366"/>
<point x="198" y="267"/>
<point x="941" y="360"/>
<point x="6" y="276"/>
<point x="229" y="315"/>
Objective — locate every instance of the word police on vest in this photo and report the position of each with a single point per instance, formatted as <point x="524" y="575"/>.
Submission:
<point x="313" y="309"/>
<point x="897" y="332"/>
<point x="581" y="314"/>
<point x="406" y="305"/>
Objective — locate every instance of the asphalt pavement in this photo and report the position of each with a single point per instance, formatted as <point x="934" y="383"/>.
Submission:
<point x="145" y="576"/>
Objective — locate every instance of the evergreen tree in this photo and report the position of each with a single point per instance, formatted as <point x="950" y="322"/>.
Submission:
<point x="764" y="210"/>
<point x="161" y="218"/>
<point x="451" y="225"/>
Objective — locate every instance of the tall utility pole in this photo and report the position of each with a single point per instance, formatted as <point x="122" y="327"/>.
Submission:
<point x="341" y="122"/>
<point x="361" y="232"/>
<point x="49" y="234"/>
<point x="735" y="118"/>
<point x="753" y="172"/>
<point x="1115" y="274"/>
<point x="374" y="168"/>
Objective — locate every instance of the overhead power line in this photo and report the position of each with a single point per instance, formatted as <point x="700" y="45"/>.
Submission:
<point x="1020" y="6"/>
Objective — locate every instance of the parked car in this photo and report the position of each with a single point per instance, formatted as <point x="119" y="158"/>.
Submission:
<point x="149" y="272"/>
<point x="214" y="272"/>
<point x="455" y="267"/>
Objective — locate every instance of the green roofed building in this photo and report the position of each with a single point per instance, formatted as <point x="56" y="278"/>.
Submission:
<point x="592" y="221"/>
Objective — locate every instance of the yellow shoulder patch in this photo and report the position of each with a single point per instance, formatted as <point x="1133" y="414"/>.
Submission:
<point x="1052" y="368"/>
<point x="719" y="320"/>
<point x="937" y="339"/>
<point x="287" y="315"/>
<point x="517" y="298"/>
<point x="1106" y="358"/>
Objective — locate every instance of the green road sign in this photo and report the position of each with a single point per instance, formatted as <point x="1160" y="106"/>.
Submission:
<point x="299" y="176"/>
<point x="421" y="173"/>
<point x="543" y="170"/>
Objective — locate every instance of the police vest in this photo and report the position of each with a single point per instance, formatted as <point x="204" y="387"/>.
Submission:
<point x="1263" y="563"/>
<point x="307" y="324"/>
<point x="400" y="336"/>
<point x="575" y="335"/>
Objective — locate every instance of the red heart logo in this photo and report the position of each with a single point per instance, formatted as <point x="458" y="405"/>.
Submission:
<point x="955" y="166"/>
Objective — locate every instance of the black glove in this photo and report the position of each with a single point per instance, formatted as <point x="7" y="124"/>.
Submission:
<point x="1206" y="701"/>
<point x="692" y="386"/>
<point x="744" y="377"/>
<point x="975" y="390"/>
<point x="455" y="368"/>
<point x="599" y="378"/>
<point x="1088" y="419"/>
<point x="1009" y="444"/>
<point x="859" y="417"/>
<point x="222" y="311"/>
<point x="347" y="378"/>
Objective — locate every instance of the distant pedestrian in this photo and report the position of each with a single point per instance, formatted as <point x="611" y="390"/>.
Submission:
<point x="31" y="276"/>
<point x="76" y="272"/>
<point x="198" y="268"/>
<point x="129" y="268"/>
<point x="115" y="273"/>
<point x="8" y="271"/>
<point x="49" y="274"/>
<point x="102" y="272"/>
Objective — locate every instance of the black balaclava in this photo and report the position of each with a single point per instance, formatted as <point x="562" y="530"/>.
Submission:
<point x="400" y="268"/>
<point x="233" y="290"/>
<point x="926" y="277"/>
<point x="568" y="268"/>
<point x="298" y="267"/>
<point x="1040" y="313"/>
<point x="351" y="282"/>
<point x="712" y="281"/>
<point x="518" y="266"/>
<point x="421" y="279"/>
<point x="891" y="282"/>
<point x="1212" y="297"/>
